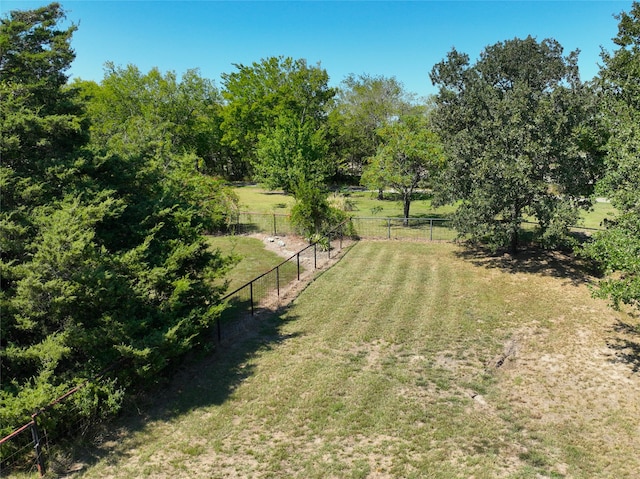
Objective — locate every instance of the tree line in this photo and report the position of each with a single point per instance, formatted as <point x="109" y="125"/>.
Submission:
<point x="109" y="187"/>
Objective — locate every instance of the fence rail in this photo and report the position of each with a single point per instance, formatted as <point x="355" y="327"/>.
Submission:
<point x="255" y="293"/>
<point x="250" y="297"/>
<point x="426" y="229"/>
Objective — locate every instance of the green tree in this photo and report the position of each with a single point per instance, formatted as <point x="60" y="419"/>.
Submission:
<point x="154" y="120"/>
<point x="257" y="96"/>
<point x="618" y="248"/>
<point x="364" y="104"/>
<point x="102" y="257"/>
<point x="409" y="156"/>
<point x="523" y="140"/>
<point x="292" y="153"/>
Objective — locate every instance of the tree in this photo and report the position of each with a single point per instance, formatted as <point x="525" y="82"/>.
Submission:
<point x="365" y="104"/>
<point x="522" y="137"/>
<point x="409" y="155"/>
<point x="157" y="120"/>
<point x="257" y="96"/>
<point x="292" y="153"/>
<point x="102" y="256"/>
<point x="617" y="249"/>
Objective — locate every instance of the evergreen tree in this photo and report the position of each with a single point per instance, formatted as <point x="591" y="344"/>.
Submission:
<point x="101" y="250"/>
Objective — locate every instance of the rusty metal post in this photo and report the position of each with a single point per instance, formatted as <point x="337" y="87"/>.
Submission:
<point x="37" y="446"/>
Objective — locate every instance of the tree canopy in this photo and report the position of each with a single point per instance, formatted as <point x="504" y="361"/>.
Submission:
<point x="257" y="96"/>
<point x="102" y="257"/>
<point x="363" y="105"/>
<point x="522" y="139"/>
<point x="409" y="156"/>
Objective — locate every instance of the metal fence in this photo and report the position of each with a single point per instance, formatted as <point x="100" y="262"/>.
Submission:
<point x="29" y="447"/>
<point x="430" y="229"/>
<point x="271" y="223"/>
<point x="266" y="289"/>
<point x="426" y="229"/>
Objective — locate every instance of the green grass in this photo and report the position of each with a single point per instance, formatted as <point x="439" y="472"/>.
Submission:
<point x="366" y="204"/>
<point x="404" y="360"/>
<point x="252" y="258"/>
<point x="258" y="200"/>
<point x="595" y="217"/>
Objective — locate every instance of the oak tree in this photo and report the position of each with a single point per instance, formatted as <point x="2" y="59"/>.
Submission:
<point x="522" y="139"/>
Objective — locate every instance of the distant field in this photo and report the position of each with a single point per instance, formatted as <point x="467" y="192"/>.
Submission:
<point x="406" y="360"/>
<point x="366" y="204"/>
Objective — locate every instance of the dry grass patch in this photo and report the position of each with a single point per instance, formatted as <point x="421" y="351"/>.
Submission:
<point x="408" y="360"/>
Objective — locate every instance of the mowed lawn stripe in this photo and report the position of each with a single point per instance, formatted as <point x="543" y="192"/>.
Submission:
<point x="407" y="360"/>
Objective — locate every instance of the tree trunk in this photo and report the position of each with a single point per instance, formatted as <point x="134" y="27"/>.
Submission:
<point x="513" y="243"/>
<point x="406" y="204"/>
<point x="515" y="226"/>
<point x="380" y="194"/>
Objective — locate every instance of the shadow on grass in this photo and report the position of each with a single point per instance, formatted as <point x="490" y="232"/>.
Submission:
<point x="626" y="344"/>
<point x="201" y="382"/>
<point x="532" y="261"/>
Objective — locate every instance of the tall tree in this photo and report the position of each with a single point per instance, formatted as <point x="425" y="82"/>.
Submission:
<point x="409" y="156"/>
<point x="365" y="104"/>
<point x="101" y="253"/>
<point x="522" y="137"/>
<point x="142" y="119"/>
<point x="258" y="95"/>
<point x="618" y="248"/>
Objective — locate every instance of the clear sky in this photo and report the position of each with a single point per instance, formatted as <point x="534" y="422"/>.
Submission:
<point x="390" y="38"/>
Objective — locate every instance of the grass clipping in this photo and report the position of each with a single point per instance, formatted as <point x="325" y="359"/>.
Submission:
<point x="408" y="360"/>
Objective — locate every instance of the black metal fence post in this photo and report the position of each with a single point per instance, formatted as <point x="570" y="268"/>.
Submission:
<point x="298" y="260"/>
<point x="388" y="228"/>
<point x="278" y="280"/>
<point x="315" y="256"/>
<point x="275" y="229"/>
<point x="251" y="296"/>
<point x="431" y="230"/>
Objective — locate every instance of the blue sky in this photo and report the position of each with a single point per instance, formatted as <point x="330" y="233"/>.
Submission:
<point x="390" y="38"/>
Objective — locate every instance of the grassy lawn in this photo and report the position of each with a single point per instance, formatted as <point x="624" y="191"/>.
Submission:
<point x="406" y="360"/>
<point x="366" y="204"/>
<point x="253" y="258"/>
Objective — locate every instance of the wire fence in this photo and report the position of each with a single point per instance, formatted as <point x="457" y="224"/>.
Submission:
<point x="32" y="448"/>
<point x="276" y="224"/>
<point x="426" y="229"/>
<point x="266" y="290"/>
<point x="26" y="448"/>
